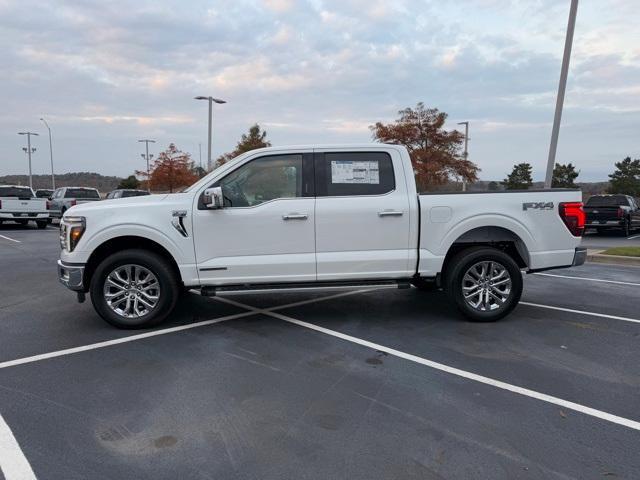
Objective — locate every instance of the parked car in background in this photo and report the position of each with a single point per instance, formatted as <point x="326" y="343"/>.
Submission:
<point x="66" y="197"/>
<point x="315" y="216"/>
<point x="125" y="193"/>
<point x="19" y="204"/>
<point x="44" y="193"/>
<point x="612" y="211"/>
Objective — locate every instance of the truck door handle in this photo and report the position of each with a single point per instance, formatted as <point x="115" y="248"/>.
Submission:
<point x="390" y="213"/>
<point x="295" y="216"/>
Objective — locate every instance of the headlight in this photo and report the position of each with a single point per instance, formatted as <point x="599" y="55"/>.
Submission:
<point x="71" y="230"/>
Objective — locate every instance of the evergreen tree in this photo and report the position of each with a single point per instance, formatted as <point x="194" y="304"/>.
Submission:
<point x="564" y="176"/>
<point x="255" y="138"/>
<point x="519" y="178"/>
<point x="626" y="178"/>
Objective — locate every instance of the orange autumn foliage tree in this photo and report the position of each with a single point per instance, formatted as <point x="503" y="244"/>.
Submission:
<point x="436" y="154"/>
<point x="172" y="170"/>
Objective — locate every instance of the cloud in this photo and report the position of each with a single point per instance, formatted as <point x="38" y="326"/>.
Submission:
<point x="311" y="71"/>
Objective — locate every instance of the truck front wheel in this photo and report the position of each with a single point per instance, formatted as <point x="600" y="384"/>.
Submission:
<point x="485" y="283"/>
<point x="134" y="289"/>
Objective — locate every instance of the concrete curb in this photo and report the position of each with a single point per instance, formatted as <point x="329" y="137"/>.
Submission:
<point x="596" y="256"/>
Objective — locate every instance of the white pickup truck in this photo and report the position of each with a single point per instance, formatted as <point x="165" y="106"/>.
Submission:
<point x="19" y="204"/>
<point x="309" y="216"/>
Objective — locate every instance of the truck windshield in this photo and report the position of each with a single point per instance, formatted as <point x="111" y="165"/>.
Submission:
<point x="81" y="193"/>
<point x="608" y="201"/>
<point x="20" y="192"/>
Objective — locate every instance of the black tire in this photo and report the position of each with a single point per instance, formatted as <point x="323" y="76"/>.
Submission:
<point x="600" y="231"/>
<point x="42" y="224"/>
<point x="22" y="222"/>
<point x="425" y="285"/>
<point x="158" y="266"/>
<point x="626" y="228"/>
<point x="455" y="272"/>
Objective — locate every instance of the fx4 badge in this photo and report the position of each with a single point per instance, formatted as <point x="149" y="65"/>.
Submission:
<point x="537" y="206"/>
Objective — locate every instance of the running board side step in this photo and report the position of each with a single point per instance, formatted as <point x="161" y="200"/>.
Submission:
<point x="211" y="290"/>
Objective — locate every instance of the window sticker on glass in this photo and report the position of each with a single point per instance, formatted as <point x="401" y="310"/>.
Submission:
<point x="345" y="171"/>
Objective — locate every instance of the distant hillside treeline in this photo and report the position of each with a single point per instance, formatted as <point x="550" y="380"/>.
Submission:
<point x="76" y="179"/>
<point x="588" y="188"/>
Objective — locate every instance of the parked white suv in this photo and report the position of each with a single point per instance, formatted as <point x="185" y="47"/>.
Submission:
<point x="299" y="216"/>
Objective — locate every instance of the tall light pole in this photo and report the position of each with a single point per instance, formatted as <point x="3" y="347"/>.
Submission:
<point x="53" y="178"/>
<point x="29" y="151"/>
<point x="466" y="150"/>
<point x="564" y="73"/>
<point x="147" y="157"/>
<point x="211" y="100"/>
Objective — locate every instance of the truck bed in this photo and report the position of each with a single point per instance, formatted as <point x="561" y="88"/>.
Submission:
<point x="529" y="217"/>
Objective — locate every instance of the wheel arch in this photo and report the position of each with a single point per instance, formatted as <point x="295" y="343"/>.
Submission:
<point x="501" y="238"/>
<point x="126" y="242"/>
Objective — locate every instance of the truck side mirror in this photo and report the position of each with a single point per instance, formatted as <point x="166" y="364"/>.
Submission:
<point x="213" y="198"/>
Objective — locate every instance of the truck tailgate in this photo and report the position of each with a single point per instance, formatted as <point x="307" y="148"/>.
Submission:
<point x="602" y="214"/>
<point x="23" y="205"/>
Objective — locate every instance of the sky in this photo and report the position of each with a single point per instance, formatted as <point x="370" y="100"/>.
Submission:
<point x="105" y="74"/>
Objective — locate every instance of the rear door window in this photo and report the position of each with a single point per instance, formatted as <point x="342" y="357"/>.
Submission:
<point x="354" y="174"/>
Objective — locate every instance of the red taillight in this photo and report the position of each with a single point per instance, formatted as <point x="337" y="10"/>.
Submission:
<point x="73" y="203"/>
<point x="620" y="212"/>
<point x="573" y="217"/>
<point x="48" y="205"/>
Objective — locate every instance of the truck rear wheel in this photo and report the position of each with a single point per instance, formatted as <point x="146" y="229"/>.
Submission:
<point x="134" y="289"/>
<point x="485" y="283"/>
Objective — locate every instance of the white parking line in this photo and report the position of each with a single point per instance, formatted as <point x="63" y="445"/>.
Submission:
<point x="581" y="312"/>
<point x="13" y="463"/>
<point x="155" y="333"/>
<point x="10" y="239"/>
<point x="588" y="279"/>
<point x="633" y="238"/>
<point x="447" y="369"/>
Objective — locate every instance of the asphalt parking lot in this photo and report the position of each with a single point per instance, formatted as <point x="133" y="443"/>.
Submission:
<point x="359" y="384"/>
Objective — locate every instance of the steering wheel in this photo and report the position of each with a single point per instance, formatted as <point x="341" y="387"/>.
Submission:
<point x="239" y="200"/>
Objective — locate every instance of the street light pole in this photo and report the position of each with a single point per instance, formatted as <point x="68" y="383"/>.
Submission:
<point x="53" y="178"/>
<point x="564" y="73"/>
<point x="211" y="101"/>
<point x="146" y="156"/>
<point x="466" y="150"/>
<point x="29" y="151"/>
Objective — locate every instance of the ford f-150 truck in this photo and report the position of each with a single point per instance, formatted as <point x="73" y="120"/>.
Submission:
<point x="66" y="197"/>
<point x="19" y="204"/>
<point x="309" y="216"/>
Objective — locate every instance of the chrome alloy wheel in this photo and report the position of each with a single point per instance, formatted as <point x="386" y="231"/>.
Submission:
<point x="486" y="286"/>
<point x="131" y="291"/>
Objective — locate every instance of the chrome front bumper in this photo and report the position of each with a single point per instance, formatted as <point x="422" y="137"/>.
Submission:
<point x="71" y="276"/>
<point x="580" y="256"/>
